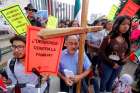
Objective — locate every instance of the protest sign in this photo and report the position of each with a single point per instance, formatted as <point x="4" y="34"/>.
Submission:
<point x="16" y="18"/>
<point x="112" y="12"/>
<point x="130" y="9"/>
<point x="42" y="54"/>
<point x="52" y="22"/>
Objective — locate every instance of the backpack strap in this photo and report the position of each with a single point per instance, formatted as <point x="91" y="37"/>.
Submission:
<point x="11" y="66"/>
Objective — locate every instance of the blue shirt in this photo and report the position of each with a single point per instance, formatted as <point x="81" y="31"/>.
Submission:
<point x="70" y="62"/>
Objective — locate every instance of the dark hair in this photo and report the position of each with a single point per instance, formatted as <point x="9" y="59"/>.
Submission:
<point x="105" y="24"/>
<point x="95" y="22"/>
<point x="115" y="30"/>
<point x="71" y="23"/>
<point x="19" y="38"/>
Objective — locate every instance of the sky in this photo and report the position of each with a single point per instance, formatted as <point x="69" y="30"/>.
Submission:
<point x="97" y="6"/>
<point x="101" y="6"/>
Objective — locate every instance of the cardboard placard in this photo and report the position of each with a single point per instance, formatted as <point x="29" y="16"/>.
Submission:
<point x="52" y="22"/>
<point x="42" y="54"/>
<point x="130" y="9"/>
<point x="112" y="12"/>
<point x="16" y="18"/>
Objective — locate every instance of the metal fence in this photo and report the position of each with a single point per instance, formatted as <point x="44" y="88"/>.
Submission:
<point x="62" y="11"/>
<point x="40" y="4"/>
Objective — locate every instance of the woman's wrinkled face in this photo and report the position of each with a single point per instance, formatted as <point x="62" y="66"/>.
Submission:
<point x="124" y="26"/>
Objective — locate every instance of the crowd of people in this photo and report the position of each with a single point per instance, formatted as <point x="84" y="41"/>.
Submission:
<point x="104" y="57"/>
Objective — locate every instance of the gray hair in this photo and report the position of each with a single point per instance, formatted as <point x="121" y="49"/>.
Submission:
<point x="72" y="37"/>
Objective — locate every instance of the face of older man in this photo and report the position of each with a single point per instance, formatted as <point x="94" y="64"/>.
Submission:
<point x="72" y="44"/>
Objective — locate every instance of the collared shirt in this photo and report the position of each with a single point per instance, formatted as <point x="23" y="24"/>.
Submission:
<point x="70" y="62"/>
<point x="23" y="77"/>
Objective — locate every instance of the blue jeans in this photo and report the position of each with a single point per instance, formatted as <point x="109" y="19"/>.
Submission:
<point x="108" y="76"/>
<point x="96" y="85"/>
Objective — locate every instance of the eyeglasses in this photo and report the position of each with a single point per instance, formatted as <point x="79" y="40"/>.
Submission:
<point x="19" y="47"/>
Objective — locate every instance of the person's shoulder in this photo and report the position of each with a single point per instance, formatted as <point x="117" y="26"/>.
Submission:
<point x="90" y="33"/>
<point x="64" y="52"/>
<point x="103" y="31"/>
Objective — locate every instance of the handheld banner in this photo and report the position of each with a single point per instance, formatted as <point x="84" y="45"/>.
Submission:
<point x="42" y="54"/>
<point x="112" y="12"/>
<point x="130" y="9"/>
<point x="52" y="22"/>
<point x="16" y="18"/>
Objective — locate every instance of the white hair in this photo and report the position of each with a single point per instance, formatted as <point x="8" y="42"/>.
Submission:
<point x="72" y="37"/>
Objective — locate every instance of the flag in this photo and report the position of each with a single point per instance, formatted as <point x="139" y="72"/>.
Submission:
<point x="137" y="53"/>
<point x="132" y="57"/>
<point x="77" y="10"/>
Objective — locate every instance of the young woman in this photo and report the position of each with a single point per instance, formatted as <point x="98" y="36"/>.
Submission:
<point x="113" y="51"/>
